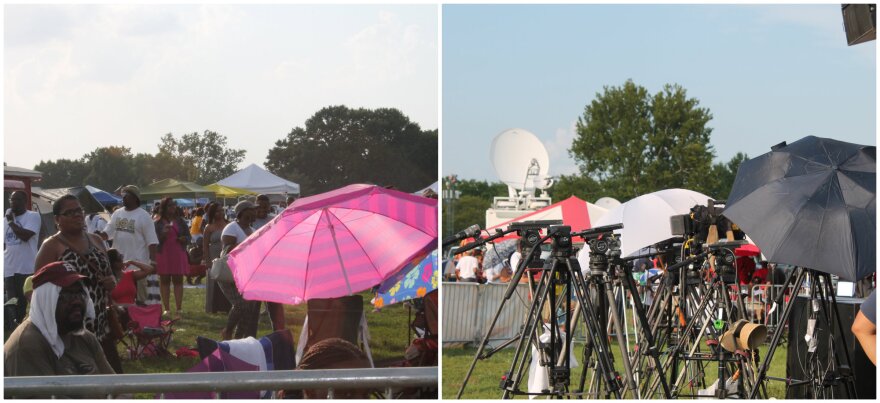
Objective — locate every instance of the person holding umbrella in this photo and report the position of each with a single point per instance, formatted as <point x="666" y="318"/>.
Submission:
<point x="238" y="324"/>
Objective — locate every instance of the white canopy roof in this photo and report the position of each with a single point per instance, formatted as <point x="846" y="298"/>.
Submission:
<point x="259" y="180"/>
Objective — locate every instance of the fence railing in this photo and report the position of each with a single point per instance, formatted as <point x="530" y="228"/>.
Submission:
<point x="468" y="309"/>
<point x="387" y="380"/>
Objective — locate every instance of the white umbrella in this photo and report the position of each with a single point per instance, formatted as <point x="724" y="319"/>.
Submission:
<point x="645" y="219"/>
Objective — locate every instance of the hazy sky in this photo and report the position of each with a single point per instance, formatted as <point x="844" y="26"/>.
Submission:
<point x="767" y="73"/>
<point x="79" y="77"/>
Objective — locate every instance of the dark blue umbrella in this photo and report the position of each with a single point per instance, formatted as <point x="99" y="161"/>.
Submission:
<point x="811" y="204"/>
<point x="105" y="198"/>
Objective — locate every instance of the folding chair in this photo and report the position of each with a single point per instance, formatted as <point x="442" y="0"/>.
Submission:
<point x="148" y="334"/>
<point x="335" y="317"/>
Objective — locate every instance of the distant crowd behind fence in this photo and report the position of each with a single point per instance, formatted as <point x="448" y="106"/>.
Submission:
<point x="386" y="380"/>
<point x="468" y="309"/>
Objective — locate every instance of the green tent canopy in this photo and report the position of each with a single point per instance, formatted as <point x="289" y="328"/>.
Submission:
<point x="176" y="189"/>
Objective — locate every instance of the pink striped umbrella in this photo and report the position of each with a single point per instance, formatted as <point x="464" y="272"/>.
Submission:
<point x="334" y="244"/>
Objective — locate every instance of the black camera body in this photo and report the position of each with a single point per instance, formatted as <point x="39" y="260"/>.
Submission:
<point x="697" y="223"/>
<point x="530" y="238"/>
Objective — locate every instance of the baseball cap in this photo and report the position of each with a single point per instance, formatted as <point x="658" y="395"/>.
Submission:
<point x="133" y="190"/>
<point x="61" y="274"/>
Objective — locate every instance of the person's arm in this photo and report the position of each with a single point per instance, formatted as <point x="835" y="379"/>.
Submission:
<point x="866" y="333"/>
<point x="48" y="253"/>
<point x="206" y="237"/>
<point x="184" y="237"/>
<point x="31" y="358"/>
<point x="150" y="237"/>
<point x="21" y="232"/>
<point x="143" y="271"/>
<point x="152" y="249"/>
<point x="109" y="228"/>
<point x="229" y="242"/>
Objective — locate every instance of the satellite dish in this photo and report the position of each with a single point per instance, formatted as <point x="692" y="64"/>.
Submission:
<point x="520" y="160"/>
<point x="607" y="203"/>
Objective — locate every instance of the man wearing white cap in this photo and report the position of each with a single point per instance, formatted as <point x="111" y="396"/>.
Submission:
<point x="53" y="339"/>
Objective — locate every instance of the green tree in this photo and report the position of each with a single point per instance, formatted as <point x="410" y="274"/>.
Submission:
<point x="207" y="156"/>
<point x="481" y="189"/>
<point x="634" y="143"/>
<point x="725" y="175"/>
<point x="62" y="173"/>
<point x="583" y="187"/>
<point x="339" y="146"/>
<point x="110" y="167"/>
<point x="151" y="168"/>
<point x="469" y="210"/>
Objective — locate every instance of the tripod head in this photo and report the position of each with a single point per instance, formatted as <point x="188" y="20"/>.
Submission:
<point x="603" y="244"/>
<point x="725" y="259"/>
<point x="530" y="238"/>
<point x="560" y="240"/>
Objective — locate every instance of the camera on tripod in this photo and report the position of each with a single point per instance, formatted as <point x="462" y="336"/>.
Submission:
<point x="705" y="223"/>
<point x="530" y="237"/>
<point x="725" y="259"/>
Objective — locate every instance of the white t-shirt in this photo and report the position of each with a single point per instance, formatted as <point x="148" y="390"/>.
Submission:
<point x="233" y="229"/>
<point x="19" y="256"/>
<point x="95" y="223"/>
<point x="132" y="232"/>
<point x="467" y="267"/>
<point x="493" y="274"/>
<point x="514" y="260"/>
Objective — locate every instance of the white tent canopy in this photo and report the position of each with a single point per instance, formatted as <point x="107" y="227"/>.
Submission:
<point x="259" y="180"/>
<point x="435" y="187"/>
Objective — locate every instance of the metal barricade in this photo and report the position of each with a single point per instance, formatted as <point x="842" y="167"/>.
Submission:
<point x="468" y="309"/>
<point x="387" y="380"/>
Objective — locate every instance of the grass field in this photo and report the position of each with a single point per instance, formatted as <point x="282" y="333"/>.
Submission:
<point x="388" y="330"/>
<point x="484" y="383"/>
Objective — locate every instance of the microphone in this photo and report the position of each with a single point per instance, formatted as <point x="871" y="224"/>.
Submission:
<point x="469" y="232"/>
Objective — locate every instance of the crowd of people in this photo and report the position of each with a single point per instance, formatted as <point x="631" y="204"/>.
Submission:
<point x="137" y="257"/>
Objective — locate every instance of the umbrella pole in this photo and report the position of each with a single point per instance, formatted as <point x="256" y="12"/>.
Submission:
<point x="777" y="334"/>
<point x="338" y="253"/>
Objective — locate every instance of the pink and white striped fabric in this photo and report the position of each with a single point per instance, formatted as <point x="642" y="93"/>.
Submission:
<point x="334" y="244"/>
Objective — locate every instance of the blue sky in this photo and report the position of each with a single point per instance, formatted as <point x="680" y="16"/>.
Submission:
<point x="77" y="77"/>
<point x="767" y="73"/>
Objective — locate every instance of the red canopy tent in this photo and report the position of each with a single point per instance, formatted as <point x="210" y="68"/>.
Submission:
<point x="573" y="212"/>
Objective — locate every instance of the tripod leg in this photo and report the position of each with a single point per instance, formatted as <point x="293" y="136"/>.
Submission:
<point x="639" y="313"/>
<point x="621" y="342"/>
<point x="605" y="367"/>
<point x="510" y="290"/>
<point x="774" y="343"/>
<point x="850" y="386"/>
<point x="528" y="336"/>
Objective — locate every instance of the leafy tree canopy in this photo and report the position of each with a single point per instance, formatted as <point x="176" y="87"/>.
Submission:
<point x="339" y="146"/>
<point x="632" y="142"/>
<point x="206" y="156"/>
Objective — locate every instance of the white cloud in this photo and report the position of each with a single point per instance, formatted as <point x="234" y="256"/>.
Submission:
<point x="557" y="148"/>
<point x="385" y="50"/>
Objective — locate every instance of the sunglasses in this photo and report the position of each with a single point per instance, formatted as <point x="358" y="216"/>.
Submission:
<point x="73" y="212"/>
